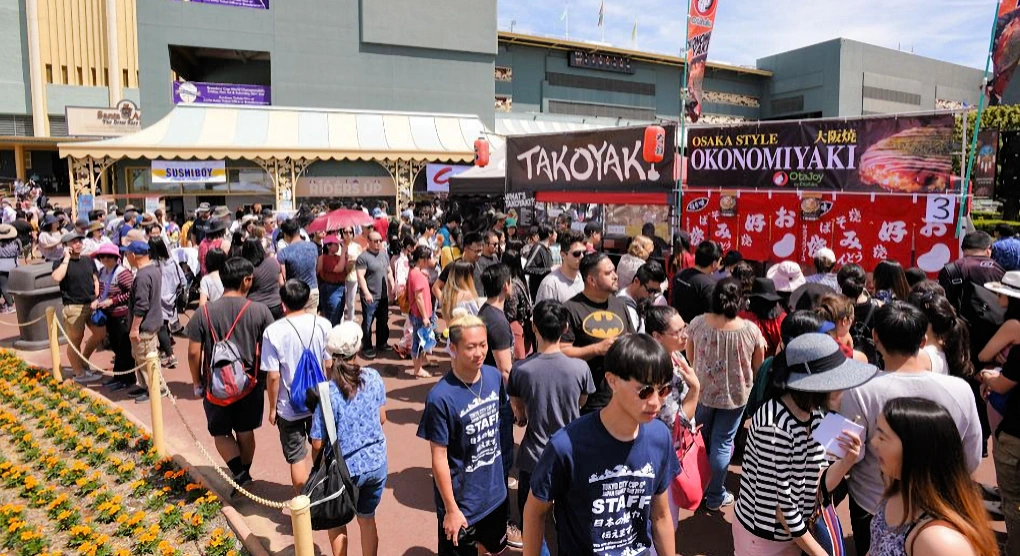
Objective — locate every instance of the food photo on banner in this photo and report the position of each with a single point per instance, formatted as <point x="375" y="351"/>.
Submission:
<point x="604" y="160"/>
<point x="985" y="164"/>
<point x="890" y="154"/>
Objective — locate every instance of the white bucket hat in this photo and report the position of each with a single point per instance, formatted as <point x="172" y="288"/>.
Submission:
<point x="787" y="276"/>
<point x="1008" y="286"/>
<point x="344" y="340"/>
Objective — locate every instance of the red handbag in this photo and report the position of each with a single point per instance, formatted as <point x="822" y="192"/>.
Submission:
<point x="688" y="488"/>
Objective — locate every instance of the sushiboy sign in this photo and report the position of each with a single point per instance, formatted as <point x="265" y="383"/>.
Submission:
<point x="172" y="171"/>
<point x="598" y="160"/>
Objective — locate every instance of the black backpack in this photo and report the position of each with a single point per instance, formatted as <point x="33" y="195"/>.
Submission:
<point x="333" y="496"/>
<point x="860" y="332"/>
<point x="977" y="306"/>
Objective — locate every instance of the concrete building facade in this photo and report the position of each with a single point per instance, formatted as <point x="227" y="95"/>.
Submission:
<point x="55" y="54"/>
<point x="842" y="77"/>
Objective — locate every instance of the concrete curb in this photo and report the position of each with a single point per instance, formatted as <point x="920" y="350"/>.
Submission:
<point x="233" y="517"/>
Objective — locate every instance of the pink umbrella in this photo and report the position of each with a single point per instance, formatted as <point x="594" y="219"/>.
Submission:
<point x="338" y="220"/>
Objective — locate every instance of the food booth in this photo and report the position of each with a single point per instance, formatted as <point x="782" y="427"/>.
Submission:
<point x="870" y="189"/>
<point x="604" y="175"/>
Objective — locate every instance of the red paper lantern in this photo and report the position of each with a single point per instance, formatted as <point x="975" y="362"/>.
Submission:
<point x="481" y="152"/>
<point x="655" y="144"/>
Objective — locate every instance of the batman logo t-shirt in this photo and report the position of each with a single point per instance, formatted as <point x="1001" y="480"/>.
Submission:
<point x="590" y="323"/>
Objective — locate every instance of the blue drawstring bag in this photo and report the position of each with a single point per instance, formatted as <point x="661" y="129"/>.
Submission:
<point x="427" y="338"/>
<point x="307" y="374"/>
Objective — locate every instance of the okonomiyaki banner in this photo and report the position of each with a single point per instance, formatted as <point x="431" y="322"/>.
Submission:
<point x="597" y="160"/>
<point x="901" y="155"/>
<point x="1005" y="53"/>
<point x="700" y="22"/>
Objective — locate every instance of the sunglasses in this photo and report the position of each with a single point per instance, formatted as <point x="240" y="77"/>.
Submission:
<point x="578" y="254"/>
<point x="646" y="390"/>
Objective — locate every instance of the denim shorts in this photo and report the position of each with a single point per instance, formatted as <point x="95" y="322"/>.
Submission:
<point x="370" y="490"/>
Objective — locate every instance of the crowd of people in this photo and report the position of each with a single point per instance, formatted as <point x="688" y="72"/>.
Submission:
<point x="604" y="361"/>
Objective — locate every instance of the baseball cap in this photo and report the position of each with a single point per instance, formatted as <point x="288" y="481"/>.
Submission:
<point x="137" y="248"/>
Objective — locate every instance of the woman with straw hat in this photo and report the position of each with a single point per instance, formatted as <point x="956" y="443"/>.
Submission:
<point x="10" y="248"/>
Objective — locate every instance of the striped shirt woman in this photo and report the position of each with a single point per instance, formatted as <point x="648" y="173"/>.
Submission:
<point x="781" y="469"/>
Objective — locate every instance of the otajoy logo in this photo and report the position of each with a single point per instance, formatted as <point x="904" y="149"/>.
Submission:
<point x="698" y="204"/>
<point x="780" y="179"/>
<point x="704" y="7"/>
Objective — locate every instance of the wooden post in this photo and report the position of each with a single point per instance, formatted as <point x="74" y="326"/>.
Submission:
<point x="54" y="334"/>
<point x="301" y="522"/>
<point x="156" y="402"/>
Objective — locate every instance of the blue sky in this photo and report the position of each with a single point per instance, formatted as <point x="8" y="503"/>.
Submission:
<point x="951" y="30"/>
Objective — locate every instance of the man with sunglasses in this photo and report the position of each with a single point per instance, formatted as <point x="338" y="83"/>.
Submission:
<point x="644" y="288"/>
<point x="489" y="256"/>
<point x="565" y="282"/>
<point x="609" y="472"/>
<point x="375" y="282"/>
<point x="473" y="246"/>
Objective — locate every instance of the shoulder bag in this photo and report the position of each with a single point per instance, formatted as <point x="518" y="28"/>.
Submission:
<point x="334" y="498"/>
<point x="688" y="488"/>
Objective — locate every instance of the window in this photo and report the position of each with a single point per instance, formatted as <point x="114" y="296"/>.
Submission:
<point x="792" y="104"/>
<point x="49" y="73"/>
<point x="504" y="103"/>
<point x="63" y="75"/>
<point x="601" y="110"/>
<point x="599" y="84"/>
<point x="504" y="73"/>
<point x="106" y="77"/>
<point x="81" y="77"/>
<point x="242" y="181"/>
<point x="890" y="95"/>
<point x="124" y="81"/>
<point x="94" y="81"/>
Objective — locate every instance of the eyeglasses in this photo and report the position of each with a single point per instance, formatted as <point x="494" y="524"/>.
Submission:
<point x="578" y="254"/>
<point x="680" y="333"/>
<point x="645" y="391"/>
<point x="494" y="244"/>
<point x="376" y="241"/>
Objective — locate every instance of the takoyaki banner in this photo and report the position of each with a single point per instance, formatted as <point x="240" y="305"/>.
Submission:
<point x="598" y="160"/>
<point x="896" y="154"/>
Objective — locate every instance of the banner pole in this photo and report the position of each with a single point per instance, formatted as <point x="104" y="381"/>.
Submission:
<point x="965" y="186"/>
<point x="682" y="139"/>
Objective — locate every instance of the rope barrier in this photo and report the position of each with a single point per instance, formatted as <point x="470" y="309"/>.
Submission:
<point x="96" y="369"/>
<point x="212" y="462"/>
<point x="29" y="323"/>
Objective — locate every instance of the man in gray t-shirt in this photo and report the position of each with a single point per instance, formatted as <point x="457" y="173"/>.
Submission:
<point x="546" y="390"/>
<point x="899" y="331"/>
<point x="375" y="282"/>
<point x="565" y="282"/>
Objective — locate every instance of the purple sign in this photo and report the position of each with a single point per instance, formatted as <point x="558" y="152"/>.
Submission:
<point x="195" y="92"/>
<point x="260" y="4"/>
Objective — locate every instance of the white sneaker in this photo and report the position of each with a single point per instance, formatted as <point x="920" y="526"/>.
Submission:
<point x="88" y="378"/>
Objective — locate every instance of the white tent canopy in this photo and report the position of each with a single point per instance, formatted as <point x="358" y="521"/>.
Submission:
<point x="236" y="132"/>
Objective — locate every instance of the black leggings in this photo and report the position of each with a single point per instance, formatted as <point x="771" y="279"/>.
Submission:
<point x="123" y="359"/>
<point x="166" y="342"/>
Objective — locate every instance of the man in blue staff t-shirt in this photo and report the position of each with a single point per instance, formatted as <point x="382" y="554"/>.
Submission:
<point x="609" y="472"/>
<point x="461" y="423"/>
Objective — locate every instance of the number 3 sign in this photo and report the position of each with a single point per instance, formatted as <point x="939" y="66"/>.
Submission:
<point x="941" y="209"/>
